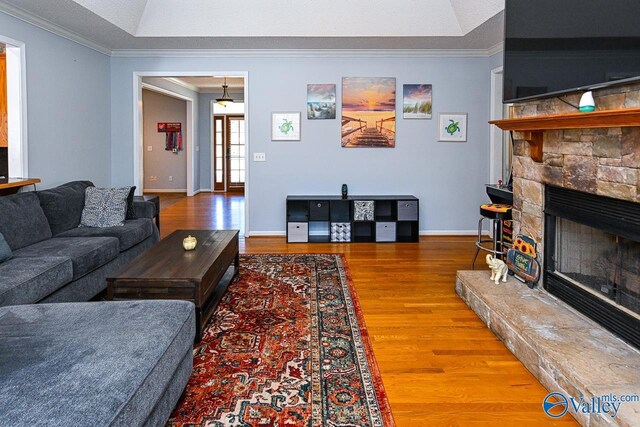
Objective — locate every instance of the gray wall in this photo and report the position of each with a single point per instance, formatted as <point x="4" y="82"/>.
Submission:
<point x="160" y="163"/>
<point x="448" y="178"/>
<point x="68" y="102"/>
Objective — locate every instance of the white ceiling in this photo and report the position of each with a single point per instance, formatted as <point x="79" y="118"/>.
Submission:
<point x="275" y="24"/>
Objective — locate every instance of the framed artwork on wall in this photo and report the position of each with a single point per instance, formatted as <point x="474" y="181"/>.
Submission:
<point x="369" y="112"/>
<point x="416" y="101"/>
<point x="452" y="127"/>
<point x="285" y="126"/>
<point x="321" y="101"/>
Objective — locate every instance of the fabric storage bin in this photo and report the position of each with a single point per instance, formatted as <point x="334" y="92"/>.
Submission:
<point x="385" y="231"/>
<point x="297" y="232"/>
<point x="319" y="210"/>
<point x="407" y="210"/>
<point x="340" y="232"/>
<point x="363" y="210"/>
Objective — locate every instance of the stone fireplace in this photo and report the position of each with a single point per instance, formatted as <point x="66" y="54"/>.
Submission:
<point x="584" y="166"/>
<point x="599" y="161"/>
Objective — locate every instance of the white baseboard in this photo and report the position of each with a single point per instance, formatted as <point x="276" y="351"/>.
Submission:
<point x="204" y="190"/>
<point x="449" y="232"/>
<point x="422" y="233"/>
<point x="165" y="190"/>
<point x="266" y="233"/>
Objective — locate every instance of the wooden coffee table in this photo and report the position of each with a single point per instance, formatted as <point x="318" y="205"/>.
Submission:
<point x="167" y="271"/>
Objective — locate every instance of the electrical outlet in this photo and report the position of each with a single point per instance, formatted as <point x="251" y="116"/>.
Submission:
<point x="259" y="157"/>
<point x="153" y="178"/>
<point x="197" y="148"/>
<point x="170" y="178"/>
<point x="149" y="147"/>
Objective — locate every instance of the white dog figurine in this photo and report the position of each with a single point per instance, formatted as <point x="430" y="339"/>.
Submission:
<point x="498" y="269"/>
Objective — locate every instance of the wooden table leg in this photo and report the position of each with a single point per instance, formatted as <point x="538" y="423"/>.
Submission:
<point x="236" y="264"/>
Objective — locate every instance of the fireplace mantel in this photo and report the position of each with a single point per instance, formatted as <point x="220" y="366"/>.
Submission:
<point x="533" y="128"/>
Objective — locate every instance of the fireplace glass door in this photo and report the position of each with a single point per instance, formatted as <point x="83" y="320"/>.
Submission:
<point x="605" y="264"/>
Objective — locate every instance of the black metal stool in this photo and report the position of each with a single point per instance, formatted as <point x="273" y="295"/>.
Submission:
<point x="497" y="214"/>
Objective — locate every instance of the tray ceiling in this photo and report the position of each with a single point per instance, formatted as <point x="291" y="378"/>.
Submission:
<point x="347" y="24"/>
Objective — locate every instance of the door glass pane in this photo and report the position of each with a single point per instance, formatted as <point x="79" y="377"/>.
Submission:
<point x="237" y="150"/>
<point x="219" y="149"/>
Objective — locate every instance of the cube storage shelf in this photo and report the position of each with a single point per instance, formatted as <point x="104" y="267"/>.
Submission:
<point x="323" y="219"/>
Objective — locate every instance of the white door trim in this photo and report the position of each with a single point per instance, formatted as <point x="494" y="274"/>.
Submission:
<point x="495" y="134"/>
<point x="138" y="140"/>
<point x="17" y="107"/>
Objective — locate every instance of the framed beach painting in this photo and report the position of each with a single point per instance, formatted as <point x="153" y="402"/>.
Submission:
<point x="416" y="101"/>
<point x="285" y="126"/>
<point x="369" y="112"/>
<point x="321" y="101"/>
<point x="452" y="127"/>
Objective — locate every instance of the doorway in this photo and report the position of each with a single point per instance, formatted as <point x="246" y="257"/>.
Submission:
<point x="229" y="153"/>
<point x="206" y="88"/>
<point x="13" y="109"/>
<point x="500" y="147"/>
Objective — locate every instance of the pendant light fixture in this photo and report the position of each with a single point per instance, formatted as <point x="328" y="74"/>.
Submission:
<point x="225" y="99"/>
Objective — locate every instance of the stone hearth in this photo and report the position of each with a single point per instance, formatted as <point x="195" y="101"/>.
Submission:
<point x="563" y="349"/>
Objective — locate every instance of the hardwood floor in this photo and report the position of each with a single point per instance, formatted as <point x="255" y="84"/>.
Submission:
<point x="441" y="366"/>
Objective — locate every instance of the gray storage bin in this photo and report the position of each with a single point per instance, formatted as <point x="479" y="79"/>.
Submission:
<point x="297" y="232"/>
<point x="385" y="231"/>
<point x="363" y="210"/>
<point x="340" y="232"/>
<point x="407" y="210"/>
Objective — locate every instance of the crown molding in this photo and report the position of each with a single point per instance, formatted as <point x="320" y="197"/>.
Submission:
<point x="495" y="49"/>
<point x="52" y="28"/>
<point x="299" y="53"/>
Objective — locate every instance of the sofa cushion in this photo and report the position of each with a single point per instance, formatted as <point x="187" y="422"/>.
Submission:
<point x="97" y="364"/>
<point x="28" y="280"/>
<point x="63" y="205"/>
<point x="86" y="253"/>
<point x="104" y="207"/>
<point x="5" y="250"/>
<point x="22" y="221"/>
<point x="133" y="232"/>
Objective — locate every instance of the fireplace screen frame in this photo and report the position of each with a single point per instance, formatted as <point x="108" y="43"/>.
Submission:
<point x="614" y="216"/>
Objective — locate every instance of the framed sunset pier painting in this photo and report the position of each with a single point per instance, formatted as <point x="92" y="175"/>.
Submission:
<point x="369" y="112"/>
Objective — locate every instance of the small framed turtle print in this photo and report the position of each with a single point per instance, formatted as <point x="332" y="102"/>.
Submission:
<point x="452" y="127"/>
<point x="285" y="126"/>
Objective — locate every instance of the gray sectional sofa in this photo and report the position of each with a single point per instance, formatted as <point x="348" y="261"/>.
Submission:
<point x="54" y="260"/>
<point x="64" y="362"/>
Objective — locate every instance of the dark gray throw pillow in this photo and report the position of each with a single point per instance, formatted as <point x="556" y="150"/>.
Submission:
<point x="131" y="210"/>
<point x="5" y="250"/>
<point x="22" y="220"/>
<point x="104" y="207"/>
<point x="63" y="205"/>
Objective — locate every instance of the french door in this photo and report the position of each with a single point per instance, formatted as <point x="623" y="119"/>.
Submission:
<point x="229" y="153"/>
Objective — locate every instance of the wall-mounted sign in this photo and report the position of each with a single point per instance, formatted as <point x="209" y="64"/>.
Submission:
<point x="169" y="127"/>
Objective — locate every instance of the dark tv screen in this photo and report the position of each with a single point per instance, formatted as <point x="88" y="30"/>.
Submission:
<point x="556" y="46"/>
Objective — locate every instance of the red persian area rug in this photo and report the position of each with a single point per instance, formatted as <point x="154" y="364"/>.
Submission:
<point x="287" y="346"/>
